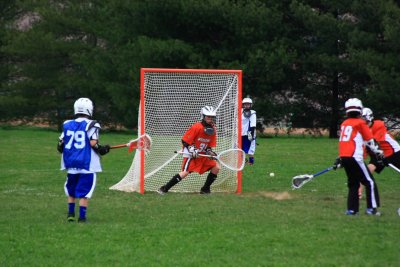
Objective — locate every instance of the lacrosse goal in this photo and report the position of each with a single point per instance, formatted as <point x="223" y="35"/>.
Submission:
<point x="171" y="100"/>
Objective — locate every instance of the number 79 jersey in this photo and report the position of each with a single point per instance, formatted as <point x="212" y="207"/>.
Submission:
<point x="78" y="156"/>
<point x="353" y="133"/>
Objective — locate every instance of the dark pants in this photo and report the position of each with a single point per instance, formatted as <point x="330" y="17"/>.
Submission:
<point x="357" y="172"/>
<point x="394" y="159"/>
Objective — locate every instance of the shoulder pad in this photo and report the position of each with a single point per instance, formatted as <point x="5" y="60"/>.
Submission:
<point x="92" y="124"/>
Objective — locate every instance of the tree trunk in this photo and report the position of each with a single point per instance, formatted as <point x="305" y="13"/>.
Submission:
<point x="333" y="127"/>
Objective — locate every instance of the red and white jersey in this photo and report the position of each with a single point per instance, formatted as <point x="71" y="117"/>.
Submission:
<point x="353" y="133"/>
<point x="386" y="142"/>
<point x="197" y="137"/>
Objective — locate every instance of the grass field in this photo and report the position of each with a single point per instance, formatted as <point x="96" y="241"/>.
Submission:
<point x="267" y="225"/>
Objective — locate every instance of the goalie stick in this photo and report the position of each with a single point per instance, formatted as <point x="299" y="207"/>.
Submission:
<point x="233" y="159"/>
<point x="299" y="180"/>
<point x="141" y="143"/>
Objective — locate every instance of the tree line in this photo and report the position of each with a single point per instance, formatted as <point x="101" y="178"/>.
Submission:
<point x="301" y="59"/>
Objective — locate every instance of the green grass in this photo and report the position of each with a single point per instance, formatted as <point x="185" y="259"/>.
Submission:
<point x="251" y="229"/>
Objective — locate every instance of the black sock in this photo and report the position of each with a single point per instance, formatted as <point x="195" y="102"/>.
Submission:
<point x="71" y="208"/>
<point x="210" y="179"/>
<point x="174" y="180"/>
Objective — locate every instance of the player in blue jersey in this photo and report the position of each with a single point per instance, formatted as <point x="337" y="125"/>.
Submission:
<point x="249" y="121"/>
<point x="80" y="148"/>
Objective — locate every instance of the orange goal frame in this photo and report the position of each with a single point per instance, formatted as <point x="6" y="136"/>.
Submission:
<point x="142" y="112"/>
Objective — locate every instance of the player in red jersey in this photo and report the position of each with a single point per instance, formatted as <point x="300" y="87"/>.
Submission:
<point x="355" y="133"/>
<point x="389" y="145"/>
<point x="200" y="138"/>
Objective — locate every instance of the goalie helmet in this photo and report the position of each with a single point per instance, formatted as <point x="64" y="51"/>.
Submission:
<point x="83" y="106"/>
<point x="353" y="104"/>
<point x="208" y="111"/>
<point x="367" y="114"/>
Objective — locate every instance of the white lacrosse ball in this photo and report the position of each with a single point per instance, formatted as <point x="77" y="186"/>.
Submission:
<point x="271" y="174"/>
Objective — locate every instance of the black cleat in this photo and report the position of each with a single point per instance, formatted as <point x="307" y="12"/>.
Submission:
<point x="205" y="191"/>
<point x="71" y="217"/>
<point x="351" y="212"/>
<point x="162" y="190"/>
<point x="373" y="212"/>
<point x="82" y="220"/>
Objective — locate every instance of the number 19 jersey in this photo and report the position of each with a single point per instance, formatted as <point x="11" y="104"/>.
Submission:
<point x="353" y="133"/>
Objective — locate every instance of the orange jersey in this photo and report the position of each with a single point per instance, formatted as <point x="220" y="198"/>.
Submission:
<point x="197" y="137"/>
<point x="386" y="142"/>
<point x="353" y="133"/>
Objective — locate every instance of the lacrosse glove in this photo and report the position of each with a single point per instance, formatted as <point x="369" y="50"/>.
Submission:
<point x="210" y="152"/>
<point x="382" y="160"/>
<point x="194" y="152"/>
<point x="60" y="146"/>
<point x="374" y="147"/>
<point x="337" y="163"/>
<point x="249" y="136"/>
<point x="102" y="150"/>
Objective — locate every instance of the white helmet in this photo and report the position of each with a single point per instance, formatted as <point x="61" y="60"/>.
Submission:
<point x="353" y="104"/>
<point x="83" y="106"/>
<point x="367" y="114"/>
<point x="208" y="111"/>
<point x="247" y="100"/>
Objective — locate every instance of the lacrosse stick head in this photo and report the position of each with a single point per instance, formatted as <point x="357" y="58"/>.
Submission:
<point x="300" y="180"/>
<point x="233" y="159"/>
<point x="142" y="143"/>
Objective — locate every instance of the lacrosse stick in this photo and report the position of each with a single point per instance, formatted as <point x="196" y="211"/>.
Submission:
<point x="394" y="167"/>
<point x="233" y="159"/>
<point x="299" y="180"/>
<point x="141" y="143"/>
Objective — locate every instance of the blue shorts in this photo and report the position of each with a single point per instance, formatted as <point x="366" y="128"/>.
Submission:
<point x="80" y="185"/>
<point x="248" y="147"/>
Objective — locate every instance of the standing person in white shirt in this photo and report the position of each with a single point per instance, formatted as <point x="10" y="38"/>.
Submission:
<point x="249" y="122"/>
<point x="80" y="148"/>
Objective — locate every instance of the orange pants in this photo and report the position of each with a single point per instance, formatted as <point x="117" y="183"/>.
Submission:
<point x="199" y="165"/>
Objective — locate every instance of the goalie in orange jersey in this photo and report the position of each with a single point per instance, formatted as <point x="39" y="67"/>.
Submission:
<point x="200" y="138"/>
<point x="389" y="145"/>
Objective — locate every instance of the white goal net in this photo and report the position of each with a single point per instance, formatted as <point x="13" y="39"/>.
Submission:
<point x="171" y="100"/>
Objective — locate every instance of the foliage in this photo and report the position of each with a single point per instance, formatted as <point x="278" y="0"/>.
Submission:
<point x="300" y="58"/>
<point x="376" y="46"/>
